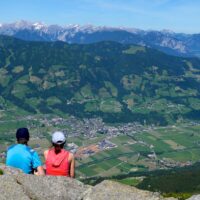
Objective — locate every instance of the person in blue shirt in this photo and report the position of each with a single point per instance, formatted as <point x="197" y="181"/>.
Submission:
<point x="22" y="156"/>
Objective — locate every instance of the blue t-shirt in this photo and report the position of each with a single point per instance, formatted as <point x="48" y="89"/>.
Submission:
<point x="23" y="157"/>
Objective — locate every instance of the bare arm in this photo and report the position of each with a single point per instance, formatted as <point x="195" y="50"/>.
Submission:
<point x="72" y="166"/>
<point x="40" y="171"/>
<point x="45" y="154"/>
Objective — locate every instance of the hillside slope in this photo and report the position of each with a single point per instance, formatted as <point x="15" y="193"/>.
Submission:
<point x="117" y="82"/>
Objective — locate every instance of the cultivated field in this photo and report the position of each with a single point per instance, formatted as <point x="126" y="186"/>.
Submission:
<point x="160" y="148"/>
<point x="153" y="148"/>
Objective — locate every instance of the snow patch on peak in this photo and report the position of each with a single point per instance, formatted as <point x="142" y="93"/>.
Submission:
<point x="72" y="28"/>
<point x="88" y="28"/>
<point x="38" y="25"/>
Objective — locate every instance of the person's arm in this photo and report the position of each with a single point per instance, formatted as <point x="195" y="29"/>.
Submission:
<point x="40" y="171"/>
<point x="45" y="154"/>
<point x="72" y="166"/>
<point x="37" y="164"/>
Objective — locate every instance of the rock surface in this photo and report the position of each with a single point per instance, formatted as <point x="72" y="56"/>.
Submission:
<point x="113" y="191"/>
<point x="195" y="197"/>
<point x="49" y="187"/>
<point x="10" y="189"/>
<point x="14" y="185"/>
<point x="10" y="170"/>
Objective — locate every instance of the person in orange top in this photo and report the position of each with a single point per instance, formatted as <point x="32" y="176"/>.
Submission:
<point x="58" y="161"/>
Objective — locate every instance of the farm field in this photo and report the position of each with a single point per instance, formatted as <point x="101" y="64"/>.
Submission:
<point x="147" y="150"/>
<point x="161" y="148"/>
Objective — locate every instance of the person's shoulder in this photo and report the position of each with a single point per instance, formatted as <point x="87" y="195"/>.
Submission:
<point x="46" y="152"/>
<point x="11" y="147"/>
<point x="30" y="150"/>
<point x="71" y="155"/>
<point x="68" y="152"/>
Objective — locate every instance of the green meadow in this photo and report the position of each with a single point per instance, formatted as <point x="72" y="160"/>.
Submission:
<point x="174" y="144"/>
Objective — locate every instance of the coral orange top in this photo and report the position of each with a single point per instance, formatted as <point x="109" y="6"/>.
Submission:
<point x="57" y="164"/>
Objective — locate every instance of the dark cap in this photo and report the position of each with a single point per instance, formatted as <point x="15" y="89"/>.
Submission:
<point x="22" y="133"/>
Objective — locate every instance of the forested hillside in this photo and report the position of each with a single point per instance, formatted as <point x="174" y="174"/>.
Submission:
<point x="117" y="82"/>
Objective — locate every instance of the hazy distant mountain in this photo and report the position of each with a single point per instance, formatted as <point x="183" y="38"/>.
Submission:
<point x="118" y="82"/>
<point x="166" y="41"/>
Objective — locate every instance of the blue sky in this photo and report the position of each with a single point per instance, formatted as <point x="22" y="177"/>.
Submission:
<point x="176" y="15"/>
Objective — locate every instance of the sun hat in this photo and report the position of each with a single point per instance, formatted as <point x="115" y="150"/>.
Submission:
<point x="58" y="137"/>
<point x="22" y="133"/>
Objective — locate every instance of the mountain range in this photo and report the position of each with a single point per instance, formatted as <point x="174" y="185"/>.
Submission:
<point x="118" y="82"/>
<point x="178" y="44"/>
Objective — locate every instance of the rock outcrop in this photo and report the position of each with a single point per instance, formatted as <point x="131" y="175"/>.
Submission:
<point x="195" y="197"/>
<point x="10" y="189"/>
<point x="114" y="191"/>
<point x="14" y="185"/>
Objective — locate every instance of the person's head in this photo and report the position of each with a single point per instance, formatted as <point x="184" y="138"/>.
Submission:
<point x="58" y="140"/>
<point x="22" y="135"/>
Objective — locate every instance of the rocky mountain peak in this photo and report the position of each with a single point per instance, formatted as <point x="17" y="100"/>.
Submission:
<point x="38" y="25"/>
<point x="165" y="40"/>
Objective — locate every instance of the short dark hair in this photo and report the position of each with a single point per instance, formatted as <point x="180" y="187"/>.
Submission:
<point x="22" y="133"/>
<point x="22" y="141"/>
<point x="61" y="145"/>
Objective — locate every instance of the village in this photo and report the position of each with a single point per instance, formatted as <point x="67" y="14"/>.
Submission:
<point x="97" y="137"/>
